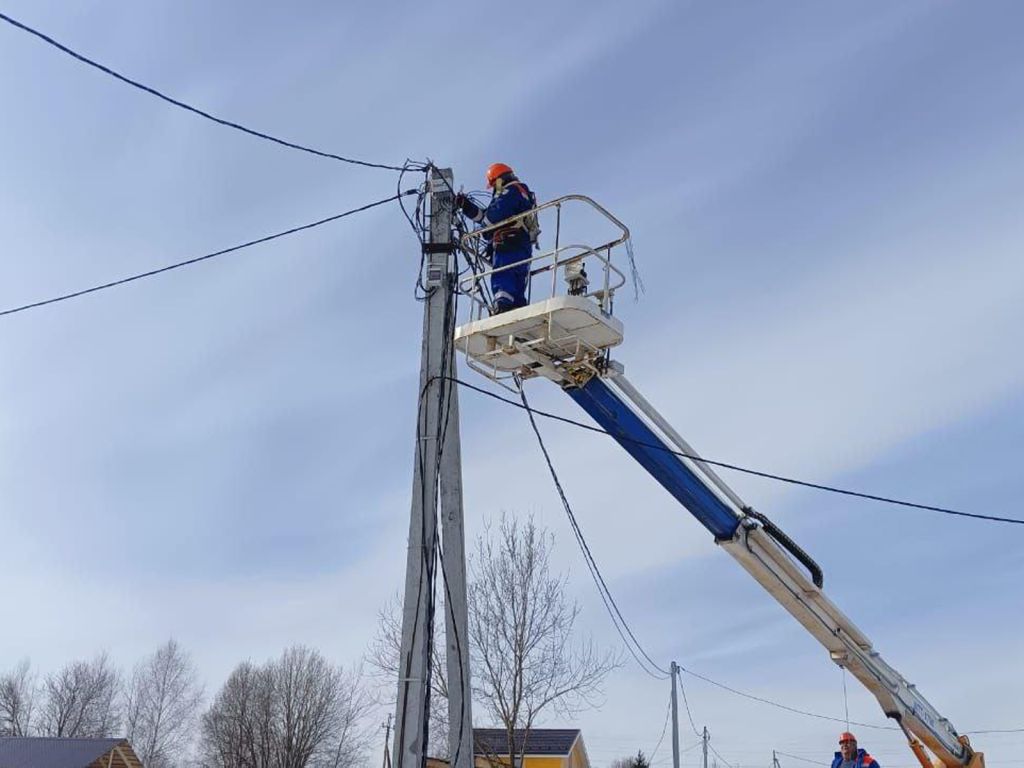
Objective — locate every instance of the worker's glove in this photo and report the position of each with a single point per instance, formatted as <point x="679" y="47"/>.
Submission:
<point x="467" y="206"/>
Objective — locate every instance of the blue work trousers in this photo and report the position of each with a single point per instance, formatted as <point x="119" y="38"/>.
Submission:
<point x="510" y="285"/>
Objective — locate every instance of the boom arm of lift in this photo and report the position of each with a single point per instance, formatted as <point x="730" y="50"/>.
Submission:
<point x="762" y="550"/>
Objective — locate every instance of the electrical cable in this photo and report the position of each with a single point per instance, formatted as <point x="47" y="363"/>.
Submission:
<point x="727" y="763"/>
<point x="188" y="107"/>
<point x="797" y="757"/>
<point x="664" y="728"/>
<point x="686" y="703"/>
<point x="846" y="700"/>
<point x="405" y="678"/>
<point x="531" y="411"/>
<point x="746" y="470"/>
<point x="197" y="259"/>
<point x="610" y="605"/>
<point x="449" y="394"/>
<point x="613" y="607"/>
<point x="777" y="705"/>
<point x="997" y="730"/>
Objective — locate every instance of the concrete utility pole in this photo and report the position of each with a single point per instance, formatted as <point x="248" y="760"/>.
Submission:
<point x="437" y="428"/>
<point x="705" y="741"/>
<point x="775" y="760"/>
<point x="674" y="669"/>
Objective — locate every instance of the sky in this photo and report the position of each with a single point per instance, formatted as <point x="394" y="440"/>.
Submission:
<point x="824" y="199"/>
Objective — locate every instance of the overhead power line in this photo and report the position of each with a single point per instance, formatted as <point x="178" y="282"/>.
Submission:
<point x="747" y="470"/>
<point x="641" y="656"/>
<point x="664" y="728"/>
<point x="712" y="748"/>
<point x="628" y="638"/>
<point x="686" y="703"/>
<point x="188" y="107"/>
<point x="997" y="730"/>
<point x="638" y="652"/>
<point x="197" y="259"/>
<point x="777" y="705"/>
<point x="797" y="757"/>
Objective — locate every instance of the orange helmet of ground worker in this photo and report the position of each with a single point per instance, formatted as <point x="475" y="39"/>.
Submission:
<point x="496" y="171"/>
<point x="846" y="736"/>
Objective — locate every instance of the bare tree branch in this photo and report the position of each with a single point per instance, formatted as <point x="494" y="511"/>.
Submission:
<point x="82" y="700"/>
<point x="162" y="703"/>
<point x="18" y="696"/>
<point x="525" y="659"/>
<point x="295" y="711"/>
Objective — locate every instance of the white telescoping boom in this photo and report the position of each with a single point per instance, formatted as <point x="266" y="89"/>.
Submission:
<point x="566" y="339"/>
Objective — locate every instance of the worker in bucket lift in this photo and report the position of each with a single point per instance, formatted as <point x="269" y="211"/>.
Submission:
<point x="849" y="756"/>
<point x="506" y="245"/>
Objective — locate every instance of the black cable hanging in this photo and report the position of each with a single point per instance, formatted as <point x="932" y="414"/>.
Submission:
<point x="686" y="702"/>
<point x="197" y="259"/>
<point x="188" y="107"/>
<point x="747" y="470"/>
<point x="632" y="644"/>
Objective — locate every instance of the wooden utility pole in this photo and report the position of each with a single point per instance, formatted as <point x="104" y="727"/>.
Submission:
<point x="705" y="742"/>
<point x="436" y="471"/>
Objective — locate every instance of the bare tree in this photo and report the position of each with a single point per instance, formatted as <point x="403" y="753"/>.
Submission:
<point x="353" y="733"/>
<point x="81" y="700"/>
<point x="525" y="660"/>
<point x="229" y="726"/>
<point x="162" y="702"/>
<point x="295" y="711"/>
<point x="18" y="694"/>
<point x="383" y="658"/>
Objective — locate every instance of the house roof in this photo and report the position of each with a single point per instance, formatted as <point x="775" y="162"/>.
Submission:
<point x="19" y="752"/>
<point x="542" y="741"/>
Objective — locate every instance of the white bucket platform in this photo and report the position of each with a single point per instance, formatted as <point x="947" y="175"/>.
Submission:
<point x="550" y="338"/>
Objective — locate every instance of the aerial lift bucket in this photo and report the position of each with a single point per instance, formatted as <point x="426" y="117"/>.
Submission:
<point x="564" y="336"/>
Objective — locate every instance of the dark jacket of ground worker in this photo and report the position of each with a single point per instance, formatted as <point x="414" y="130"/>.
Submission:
<point x="507" y="245"/>
<point x="863" y="760"/>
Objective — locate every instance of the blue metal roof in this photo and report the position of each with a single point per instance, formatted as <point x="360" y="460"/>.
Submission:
<point x="23" y="752"/>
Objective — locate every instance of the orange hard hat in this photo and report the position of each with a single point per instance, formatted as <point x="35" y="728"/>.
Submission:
<point x="846" y="736"/>
<point x="496" y="170"/>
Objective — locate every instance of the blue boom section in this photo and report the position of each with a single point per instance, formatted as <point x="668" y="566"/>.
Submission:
<point x="619" y="420"/>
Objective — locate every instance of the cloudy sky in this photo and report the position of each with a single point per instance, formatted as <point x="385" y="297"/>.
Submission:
<point x="825" y="200"/>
